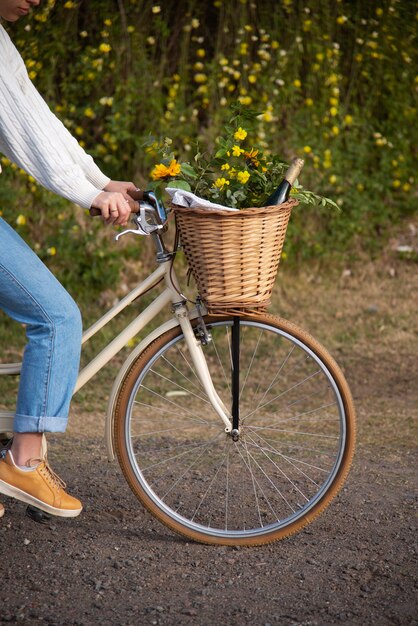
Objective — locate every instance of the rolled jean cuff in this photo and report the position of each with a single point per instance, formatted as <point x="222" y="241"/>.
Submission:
<point x="31" y="424"/>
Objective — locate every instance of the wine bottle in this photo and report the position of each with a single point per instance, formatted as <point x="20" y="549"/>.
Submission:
<point x="281" y="194"/>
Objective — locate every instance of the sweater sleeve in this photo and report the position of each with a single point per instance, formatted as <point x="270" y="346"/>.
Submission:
<point x="34" y="138"/>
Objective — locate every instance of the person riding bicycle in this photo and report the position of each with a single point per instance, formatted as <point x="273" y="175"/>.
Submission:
<point x="34" y="138"/>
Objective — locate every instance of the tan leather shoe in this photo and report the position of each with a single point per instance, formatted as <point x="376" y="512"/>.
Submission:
<point x="40" y="487"/>
<point x="1" y="510"/>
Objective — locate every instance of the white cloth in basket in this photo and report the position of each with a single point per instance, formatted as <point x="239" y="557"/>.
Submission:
<point x="189" y="199"/>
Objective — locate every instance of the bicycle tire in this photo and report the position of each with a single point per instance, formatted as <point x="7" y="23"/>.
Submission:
<point x="172" y="457"/>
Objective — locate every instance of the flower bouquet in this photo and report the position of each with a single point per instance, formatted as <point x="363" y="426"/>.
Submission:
<point x="238" y="173"/>
<point x="233" y="255"/>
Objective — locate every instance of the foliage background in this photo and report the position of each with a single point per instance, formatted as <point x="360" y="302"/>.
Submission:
<point x="335" y="82"/>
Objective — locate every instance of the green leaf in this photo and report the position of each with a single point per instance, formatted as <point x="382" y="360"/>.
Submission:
<point x="179" y="184"/>
<point x="188" y="170"/>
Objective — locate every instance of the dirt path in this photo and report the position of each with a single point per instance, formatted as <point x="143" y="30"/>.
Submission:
<point x="355" y="565"/>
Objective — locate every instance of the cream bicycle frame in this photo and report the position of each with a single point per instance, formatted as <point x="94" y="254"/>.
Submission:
<point x="181" y="317"/>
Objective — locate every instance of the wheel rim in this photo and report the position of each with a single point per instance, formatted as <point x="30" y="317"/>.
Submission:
<point x="186" y="475"/>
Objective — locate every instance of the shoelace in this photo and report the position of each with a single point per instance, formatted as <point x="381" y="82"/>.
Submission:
<point x="49" y="473"/>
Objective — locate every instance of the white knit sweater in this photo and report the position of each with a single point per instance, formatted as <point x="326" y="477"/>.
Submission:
<point x="35" y="139"/>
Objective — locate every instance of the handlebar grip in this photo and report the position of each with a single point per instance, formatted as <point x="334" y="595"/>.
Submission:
<point x="136" y="194"/>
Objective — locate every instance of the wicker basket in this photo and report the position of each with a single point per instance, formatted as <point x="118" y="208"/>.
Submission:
<point x="234" y="256"/>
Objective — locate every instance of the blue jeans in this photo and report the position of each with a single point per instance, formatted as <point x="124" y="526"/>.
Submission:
<point x="31" y="295"/>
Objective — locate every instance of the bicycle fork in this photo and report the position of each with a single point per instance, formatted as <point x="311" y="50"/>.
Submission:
<point x="200" y="364"/>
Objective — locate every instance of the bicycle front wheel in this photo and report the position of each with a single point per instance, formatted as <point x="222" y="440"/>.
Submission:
<point x="295" y="443"/>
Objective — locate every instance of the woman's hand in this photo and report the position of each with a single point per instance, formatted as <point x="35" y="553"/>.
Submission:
<point x="114" y="202"/>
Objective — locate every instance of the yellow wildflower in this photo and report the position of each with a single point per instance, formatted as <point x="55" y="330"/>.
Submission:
<point x="309" y="102"/>
<point x="221" y="182"/>
<point x="156" y="9"/>
<point x="105" y="48"/>
<point x="201" y="53"/>
<point x="237" y="151"/>
<point x="200" y="78"/>
<point x="307" y="149"/>
<point x="162" y="171"/>
<point x="240" y="134"/>
<point x="88" y="112"/>
<point x="335" y="130"/>
<point x="251" y="157"/>
<point x="52" y="251"/>
<point x="243" y="177"/>
<point x="225" y="167"/>
<point x="21" y="220"/>
<point x="297" y="83"/>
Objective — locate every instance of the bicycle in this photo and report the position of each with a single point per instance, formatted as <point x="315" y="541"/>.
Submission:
<point x="233" y="430"/>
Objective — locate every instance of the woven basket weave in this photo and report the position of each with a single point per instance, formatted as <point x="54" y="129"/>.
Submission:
<point x="234" y="256"/>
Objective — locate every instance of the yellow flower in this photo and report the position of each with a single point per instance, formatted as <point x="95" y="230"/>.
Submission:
<point x="156" y="9"/>
<point x="333" y="179"/>
<point x="240" y="134"/>
<point x="341" y="19"/>
<point x="252" y="79"/>
<point x="251" y="157"/>
<point x="21" y="220"/>
<point x="243" y="177"/>
<point x="333" y="111"/>
<point x="225" y="167"/>
<point x="395" y="184"/>
<point x="200" y="78"/>
<point x="237" y="151"/>
<point x="348" y="120"/>
<point x="88" y="112"/>
<point x="245" y="100"/>
<point x="162" y="171"/>
<point x="52" y="251"/>
<point x="105" y="48"/>
<point x="297" y="83"/>
<point x="307" y="149"/>
<point x="201" y="53"/>
<point x="335" y="130"/>
<point x="221" y="182"/>
<point x="309" y="102"/>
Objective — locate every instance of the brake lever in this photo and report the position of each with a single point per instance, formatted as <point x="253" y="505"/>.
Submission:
<point x="140" y="220"/>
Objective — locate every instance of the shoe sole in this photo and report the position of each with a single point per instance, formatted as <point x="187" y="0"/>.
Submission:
<point x="18" y="494"/>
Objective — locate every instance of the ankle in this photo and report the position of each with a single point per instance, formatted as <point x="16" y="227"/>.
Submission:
<point x="26" y="446"/>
